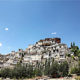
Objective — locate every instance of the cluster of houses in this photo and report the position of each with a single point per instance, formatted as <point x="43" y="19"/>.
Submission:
<point x="47" y="48"/>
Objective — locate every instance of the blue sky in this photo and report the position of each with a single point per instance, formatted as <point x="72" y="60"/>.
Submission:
<point x="23" y="22"/>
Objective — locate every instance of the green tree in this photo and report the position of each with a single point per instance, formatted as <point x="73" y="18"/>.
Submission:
<point x="47" y="67"/>
<point x="63" y="69"/>
<point x="71" y="45"/>
<point x="54" y="69"/>
<point x="37" y="72"/>
<point x="75" y="50"/>
<point x="5" y="72"/>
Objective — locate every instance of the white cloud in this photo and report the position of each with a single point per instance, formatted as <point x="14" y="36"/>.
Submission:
<point x="6" y="29"/>
<point x="54" y="33"/>
<point x="0" y="44"/>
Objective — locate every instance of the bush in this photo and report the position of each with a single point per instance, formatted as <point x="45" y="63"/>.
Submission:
<point x="74" y="70"/>
<point x="77" y="78"/>
<point x="28" y="71"/>
<point x="63" y="69"/>
<point x="18" y="72"/>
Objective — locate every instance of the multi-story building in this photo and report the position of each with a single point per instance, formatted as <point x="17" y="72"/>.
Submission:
<point x="47" y="48"/>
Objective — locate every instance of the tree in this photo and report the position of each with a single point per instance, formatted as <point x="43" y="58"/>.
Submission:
<point x="19" y="71"/>
<point x="74" y="70"/>
<point x="64" y="68"/>
<point x="54" y="70"/>
<point x="71" y="45"/>
<point x="47" y="67"/>
<point x="37" y="72"/>
<point x="79" y="56"/>
<point x="75" y="49"/>
<point x="5" y="72"/>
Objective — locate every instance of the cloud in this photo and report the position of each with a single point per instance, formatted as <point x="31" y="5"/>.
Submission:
<point x="0" y="44"/>
<point x="54" y="33"/>
<point x="6" y="29"/>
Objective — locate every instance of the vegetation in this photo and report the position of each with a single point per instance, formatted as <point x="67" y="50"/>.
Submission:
<point x="28" y="71"/>
<point x="50" y="68"/>
<point x="64" y="69"/>
<point x="76" y="70"/>
<point x="18" y="72"/>
<point x="78" y="78"/>
<point x="75" y="49"/>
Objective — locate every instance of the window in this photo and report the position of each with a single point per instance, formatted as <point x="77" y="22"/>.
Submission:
<point x="61" y="56"/>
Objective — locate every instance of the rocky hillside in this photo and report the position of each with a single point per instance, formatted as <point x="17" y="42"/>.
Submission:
<point x="48" y="48"/>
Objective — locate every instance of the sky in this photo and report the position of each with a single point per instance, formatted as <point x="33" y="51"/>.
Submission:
<point x="24" y="22"/>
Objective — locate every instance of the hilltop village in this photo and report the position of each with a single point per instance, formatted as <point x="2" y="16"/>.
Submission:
<point x="48" y="48"/>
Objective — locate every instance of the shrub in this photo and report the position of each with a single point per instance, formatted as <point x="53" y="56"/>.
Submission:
<point x="77" y="78"/>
